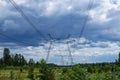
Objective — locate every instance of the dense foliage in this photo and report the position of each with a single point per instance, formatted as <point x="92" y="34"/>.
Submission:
<point x="15" y="67"/>
<point x="12" y="60"/>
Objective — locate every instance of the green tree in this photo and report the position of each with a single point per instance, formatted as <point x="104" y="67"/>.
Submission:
<point x="1" y="62"/>
<point x="16" y="60"/>
<point x="119" y="57"/>
<point x="6" y="57"/>
<point x="79" y="73"/>
<point x="31" y="69"/>
<point x="23" y="61"/>
<point x="90" y="69"/>
<point x="31" y="73"/>
<point x="31" y="62"/>
<point x="67" y="74"/>
<point x="46" y="72"/>
<point x="19" y="60"/>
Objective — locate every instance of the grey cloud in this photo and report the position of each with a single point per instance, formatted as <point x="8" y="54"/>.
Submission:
<point x="60" y="18"/>
<point x="98" y="50"/>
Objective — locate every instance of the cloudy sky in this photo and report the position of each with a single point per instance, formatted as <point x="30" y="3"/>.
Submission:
<point x="99" y="42"/>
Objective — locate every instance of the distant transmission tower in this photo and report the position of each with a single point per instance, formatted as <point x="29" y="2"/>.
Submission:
<point x="62" y="59"/>
<point x="62" y="56"/>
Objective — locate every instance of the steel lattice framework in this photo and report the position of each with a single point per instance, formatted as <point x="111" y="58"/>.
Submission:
<point x="51" y="38"/>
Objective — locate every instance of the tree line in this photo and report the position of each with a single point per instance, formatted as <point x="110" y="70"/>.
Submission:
<point x="19" y="59"/>
<point x="14" y="60"/>
<point x="93" y="71"/>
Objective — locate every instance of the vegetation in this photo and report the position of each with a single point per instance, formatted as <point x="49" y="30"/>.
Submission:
<point x="15" y="67"/>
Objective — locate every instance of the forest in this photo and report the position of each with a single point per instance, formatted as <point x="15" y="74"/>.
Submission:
<point x="16" y="67"/>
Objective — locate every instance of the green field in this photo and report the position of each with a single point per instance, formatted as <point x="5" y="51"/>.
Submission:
<point x="15" y="67"/>
<point x="77" y="72"/>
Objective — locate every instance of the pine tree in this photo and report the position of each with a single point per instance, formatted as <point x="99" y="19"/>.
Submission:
<point x="46" y="71"/>
<point x="19" y="60"/>
<point x="1" y="62"/>
<point x="119" y="57"/>
<point x="6" y="57"/>
<point x="31" y="73"/>
<point x="15" y="60"/>
<point x="31" y="62"/>
<point x="23" y="61"/>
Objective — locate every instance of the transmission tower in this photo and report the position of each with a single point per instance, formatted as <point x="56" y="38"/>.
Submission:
<point x="62" y="56"/>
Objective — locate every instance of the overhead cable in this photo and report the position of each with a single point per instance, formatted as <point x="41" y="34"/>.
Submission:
<point x="26" y="18"/>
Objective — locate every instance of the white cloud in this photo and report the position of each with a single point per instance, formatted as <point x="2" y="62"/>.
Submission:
<point x="62" y="7"/>
<point x="46" y="7"/>
<point x="100" y="13"/>
<point x="95" y="49"/>
<point x="3" y="3"/>
<point x="6" y="10"/>
<point x="21" y="2"/>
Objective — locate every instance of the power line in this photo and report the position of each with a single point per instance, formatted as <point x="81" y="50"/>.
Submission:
<point x="26" y="18"/>
<point x="70" y="53"/>
<point x="55" y="39"/>
<point x="86" y="19"/>
<point x="49" y="50"/>
<point x="15" y="39"/>
<point x="81" y="33"/>
<point x="35" y="28"/>
<point x="58" y="39"/>
<point x="50" y="47"/>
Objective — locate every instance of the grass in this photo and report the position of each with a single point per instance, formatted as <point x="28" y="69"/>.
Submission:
<point x="5" y="74"/>
<point x="16" y="74"/>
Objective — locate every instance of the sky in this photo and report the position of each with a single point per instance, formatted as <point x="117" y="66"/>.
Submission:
<point x="59" y="18"/>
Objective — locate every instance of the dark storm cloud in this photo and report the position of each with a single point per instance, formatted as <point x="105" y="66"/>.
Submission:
<point x="60" y="18"/>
